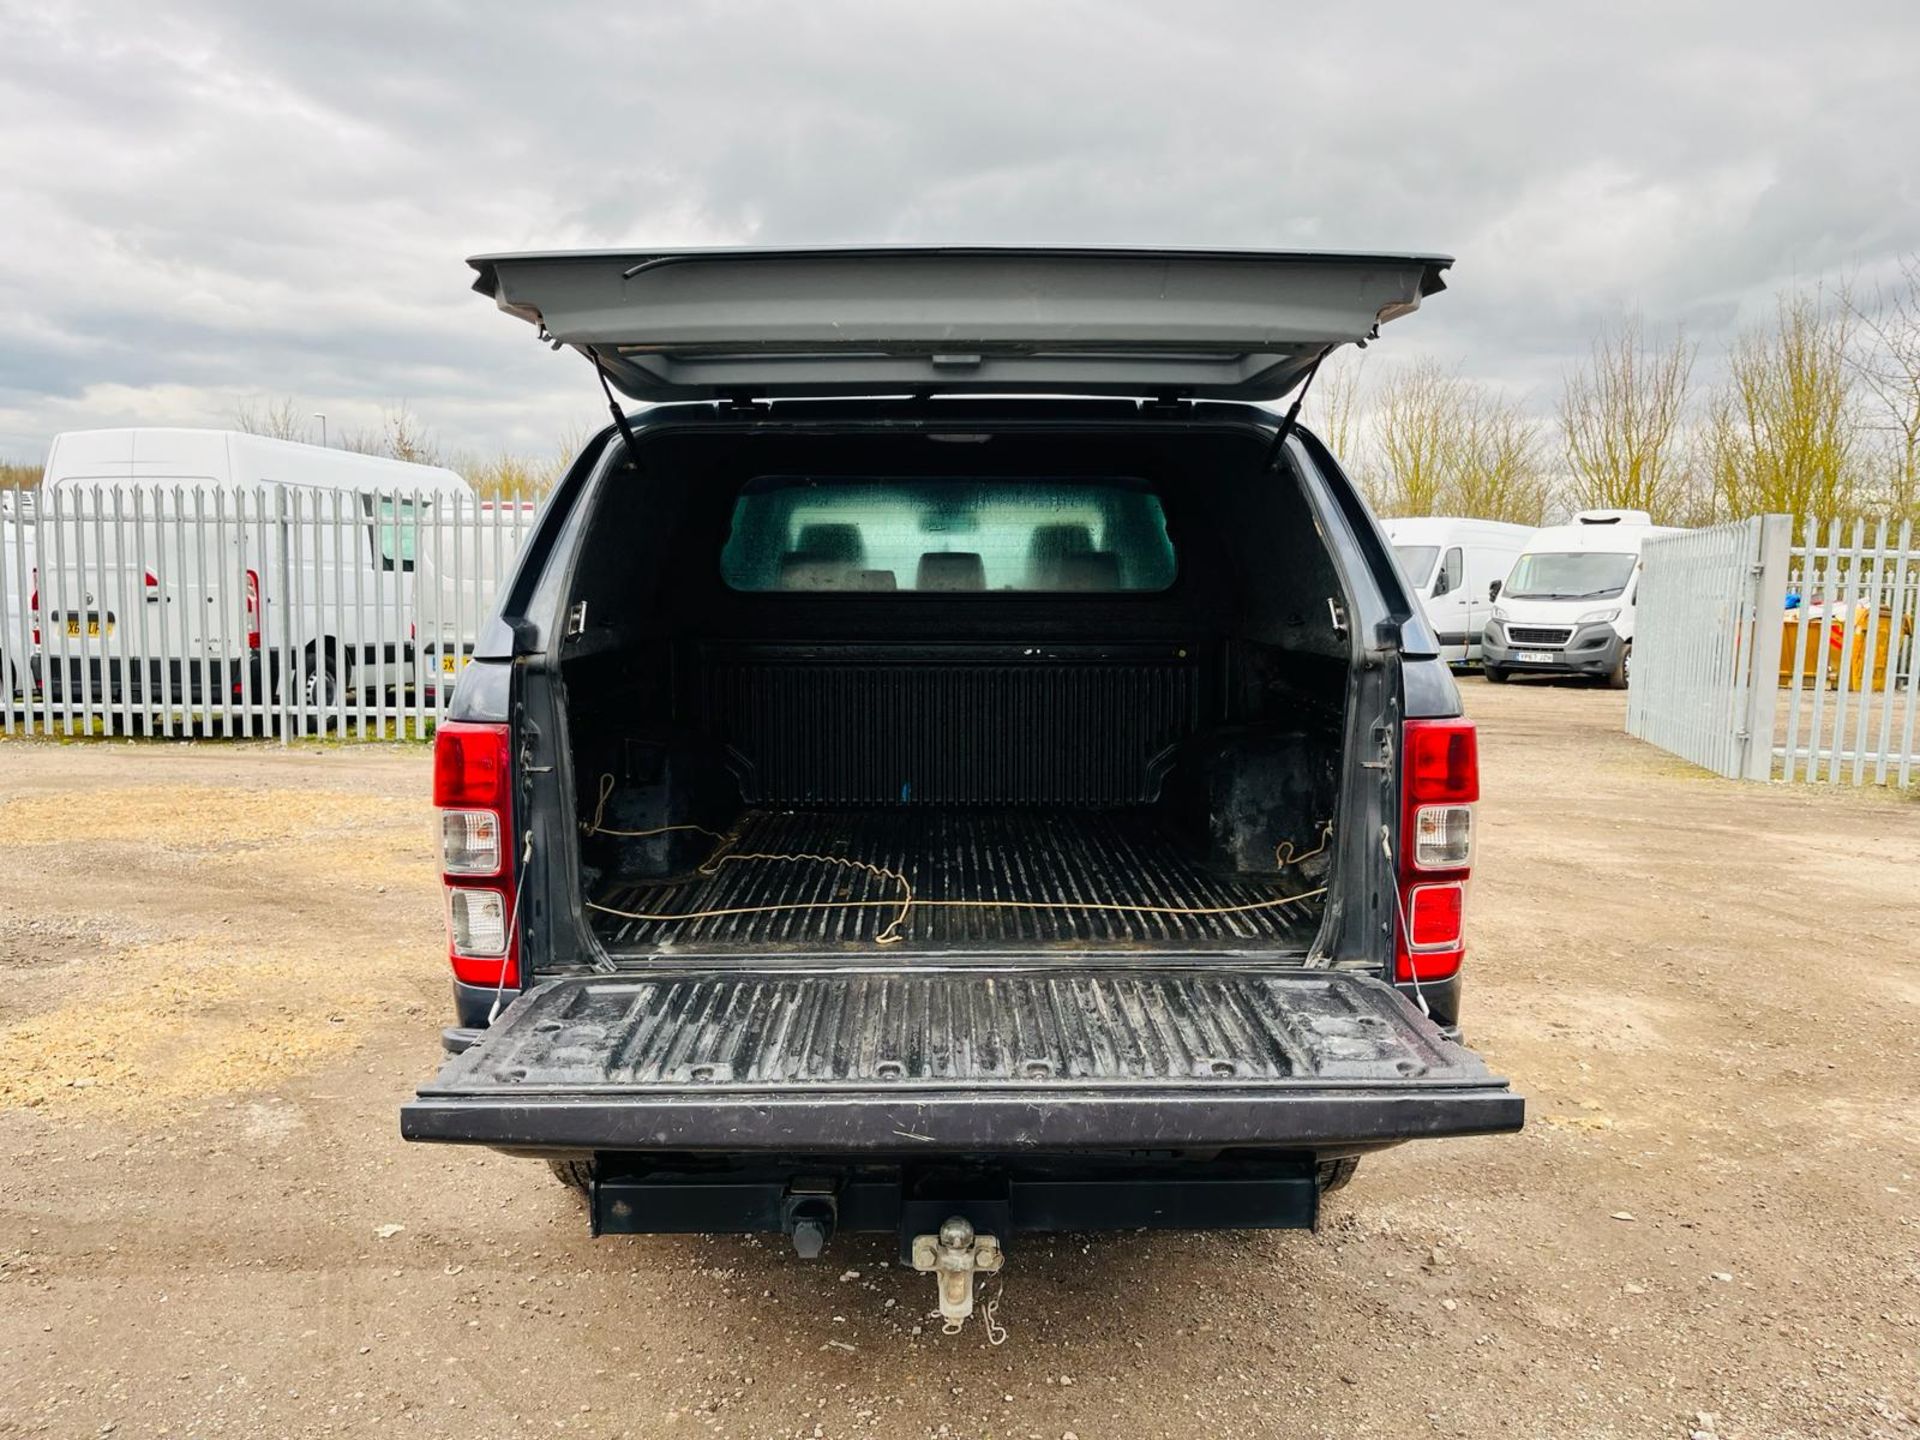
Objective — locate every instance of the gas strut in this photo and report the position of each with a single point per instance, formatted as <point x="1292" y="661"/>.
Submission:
<point x="620" y="416"/>
<point x="1293" y="414"/>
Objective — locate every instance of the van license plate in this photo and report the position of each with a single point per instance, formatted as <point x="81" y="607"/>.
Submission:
<point x="1533" y="657"/>
<point x="448" y="663"/>
<point x="93" y="627"/>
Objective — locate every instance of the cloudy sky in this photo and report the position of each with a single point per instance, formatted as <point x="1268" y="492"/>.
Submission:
<point x="210" y="205"/>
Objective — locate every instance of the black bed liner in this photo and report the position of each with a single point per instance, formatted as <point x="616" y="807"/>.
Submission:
<point x="1030" y="1058"/>
<point x="1125" y="856"/>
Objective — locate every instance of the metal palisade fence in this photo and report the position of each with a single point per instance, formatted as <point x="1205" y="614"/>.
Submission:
<point x="1847" y="679"/>
<point x="221" y="610"/>
<point x="1760" y="657"/>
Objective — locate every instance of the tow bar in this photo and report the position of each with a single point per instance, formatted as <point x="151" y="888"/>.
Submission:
<point x="954" y="1257"/>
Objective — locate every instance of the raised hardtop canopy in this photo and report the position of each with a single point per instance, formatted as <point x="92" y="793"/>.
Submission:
<point x="760" y="324"/>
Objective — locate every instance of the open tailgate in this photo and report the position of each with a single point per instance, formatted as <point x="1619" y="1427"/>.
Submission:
<point x="961" y="1060"/>
<point x="730" y="324"/>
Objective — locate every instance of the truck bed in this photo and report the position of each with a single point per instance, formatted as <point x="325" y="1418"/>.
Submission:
<point x="1035" y="866"/>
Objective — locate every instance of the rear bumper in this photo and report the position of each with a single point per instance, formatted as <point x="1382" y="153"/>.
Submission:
<point x="110" y="679"/>
<point x="1074" y="1193"/>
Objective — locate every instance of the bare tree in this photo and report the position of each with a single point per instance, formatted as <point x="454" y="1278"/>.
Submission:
<point x="1333" y="405"/>
<point x="1782" y="432"/>
<point x="406" y="438"/>
<point x="1622" y="419"/>
<point x="506" y="475"/>
<point x="282" y="419"/>
<point x="1422" y="411"/>
<point x="1446" y="445"/>
<point x="1888" y="367"/>
<point x="1496" y="468"/>
<point x="399" y="436"/>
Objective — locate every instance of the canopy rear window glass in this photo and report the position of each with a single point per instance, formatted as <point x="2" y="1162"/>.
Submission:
<point x="948" y="534"/>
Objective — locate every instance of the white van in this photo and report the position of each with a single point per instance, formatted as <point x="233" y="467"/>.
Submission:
<point x="19" y="564"/>
<point x="462" y="570"/>
<point x="177" y="566"/>
<point x="1567" y="606"/>
<point x="1450" y="564"/>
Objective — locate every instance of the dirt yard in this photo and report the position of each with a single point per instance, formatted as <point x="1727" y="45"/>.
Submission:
<point x="220" y="975"/>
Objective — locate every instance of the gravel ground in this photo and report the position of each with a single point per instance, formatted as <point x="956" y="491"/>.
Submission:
<point x="219" y="976"/>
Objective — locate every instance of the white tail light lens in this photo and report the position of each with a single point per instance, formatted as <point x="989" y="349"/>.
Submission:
<point x="470" y="842"/>
<point x="477" y="922"/>
<point x="1443" y="837"/>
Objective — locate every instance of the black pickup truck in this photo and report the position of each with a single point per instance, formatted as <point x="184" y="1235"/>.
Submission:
<point x="955" y="765"/>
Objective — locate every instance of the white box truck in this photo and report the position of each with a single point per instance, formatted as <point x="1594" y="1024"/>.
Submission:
<point x="1567" y="606"/>
<point x="193" y="566"/>
<point x="1451" y="564"/>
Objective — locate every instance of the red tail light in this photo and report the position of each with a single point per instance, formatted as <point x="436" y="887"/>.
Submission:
<point x="470" y="766"/>
<point x="33" y="604"/>
<point x="253" y="607"/>
<point x="1440" y="781"/>
<point x="473" y="790"/>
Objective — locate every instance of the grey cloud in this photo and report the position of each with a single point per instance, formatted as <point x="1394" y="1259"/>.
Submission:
<point x="232" y="198"/>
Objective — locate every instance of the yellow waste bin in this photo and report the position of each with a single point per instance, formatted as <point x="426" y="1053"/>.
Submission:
<point x="1804" y="633"/>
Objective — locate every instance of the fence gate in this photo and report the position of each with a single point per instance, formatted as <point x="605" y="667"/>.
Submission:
<point x="1847" y="674"/>
<point x="1759" y="658"/>
<point x="1705" y="633"/>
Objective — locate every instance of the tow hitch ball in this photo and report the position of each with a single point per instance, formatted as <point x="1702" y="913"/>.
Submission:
<point x="954" y="1257"/>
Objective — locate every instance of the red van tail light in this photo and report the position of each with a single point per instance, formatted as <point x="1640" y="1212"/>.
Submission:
<point x="1440" y="781"/>
<point x="472" y="787"/>
<point x="253" y="608"/>
<point x="33" y="604"/>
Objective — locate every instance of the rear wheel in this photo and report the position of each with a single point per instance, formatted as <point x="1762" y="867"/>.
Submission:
<point x="576" y="1175"/>
<point x="1497" y="676"/>
<point x="323" y="686"/>
<point x="1331" y="1175"/>
<point x="320" y="689"/>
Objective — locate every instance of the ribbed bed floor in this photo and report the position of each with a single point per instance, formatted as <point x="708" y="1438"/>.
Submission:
<point x="1121" y="857"/>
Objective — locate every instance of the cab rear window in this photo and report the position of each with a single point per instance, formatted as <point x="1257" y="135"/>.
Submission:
<point x="948" y="534"/>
